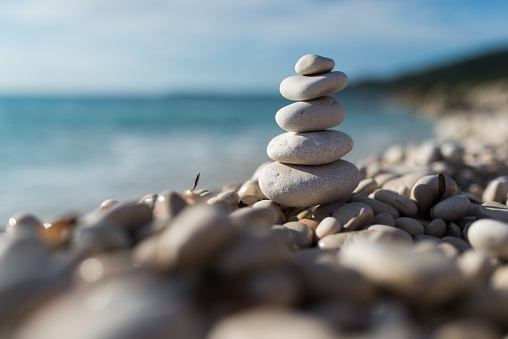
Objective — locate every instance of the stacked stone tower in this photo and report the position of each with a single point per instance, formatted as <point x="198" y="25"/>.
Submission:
<point x="308" y="169"/>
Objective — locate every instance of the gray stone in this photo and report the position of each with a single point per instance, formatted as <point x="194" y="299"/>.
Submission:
<point x="354" y="216"/>
<point x="452" y="208"/>
<point x="195" y="236"/>
<point x="493" y="210"/>
<point x="410" y="225"/>
<point x="403" y="204"/>
<point x="312" y="115"/>
<point x="305" y="186"/>
<point x="314" y="64"/>
<point x="310" y="148"/>
<point x="300" y="87"/>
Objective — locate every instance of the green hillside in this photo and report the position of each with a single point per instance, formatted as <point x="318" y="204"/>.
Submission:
<point x="485" y="68"/>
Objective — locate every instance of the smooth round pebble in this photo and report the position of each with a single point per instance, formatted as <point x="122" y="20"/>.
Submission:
<point x="314" y="64"/>
<point x="410" y="225"/>
<point x="489" y="237"/>
<point x="452" y="208"/>
<point x="301" y="87"/>
<point x="403" y="204"/>
<point x="425" y="191"/>
<point x="436" y="228"/>
<point x="383" y="219"/>
<point x="311" y="115"/>
<point x="376" y="205"/>
<point x="270" y="323"/>
<point x="427" y="279"/>
<point x="304" y="186"/>
<point x="310" y="148"/>
<point x="301" y="234"/>
<point x="354" y="216"/>
<point x="327" y="226"/>
<point x="496" y="190"/>
<point x="493" y="210"/>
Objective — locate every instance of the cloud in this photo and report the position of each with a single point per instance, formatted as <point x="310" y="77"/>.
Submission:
<point x="202" y="42"/>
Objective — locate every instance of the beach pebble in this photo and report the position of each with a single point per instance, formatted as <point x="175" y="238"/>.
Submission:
<point x="274" y="287"/>
<point x="489" y="237"/>
<point x="106" y="204"/>
<point x="168" y="205"/>
<point x="406" y="180"/>
<point x="452" y="208"/>
<point x="492" y="210"/>
<point x="24" y="224"/>
<point x="410" y="225"/>
<point x="310" y="148"/>
<point x="499" y="278"/>
<point x="149" y="200"/>
<point x="327" y="226"/>
<point x="383" y="219"/>
<point x="310" y="87"/>
<point x="426" y="189"/>
<point x="376" y="205"/>
<point x="311" y="223"/>
<point x="436" y="228"/>
<point x="354" y="216"/>
<point x="311" y="115"/>
<point x="468" y="328"/>
<point x="496" y="190"/>
<point x="453" y="230"/>
<point x="426" y="279"/>
<point x="314" y="64"/>
<point x="196" y="235"/>
<point x="326" y="210"/>
<point x="304" y="186"/>
<point x="301" y="234"/>
<point x="403" y="204"/>
<point x="475" y="267"/>
<point x="270" y="323"/>
<point x="259" y="218"/>
<point x="250" y="193"/>
<point x="366" y="186"/>
<point x="251" y="253"/>
<point x="457" y="242"/>
<point x="228" y="199"/>
<point x="372" y="233"/>
<point x="452" y="152"/>
<point x="274" y="206"/>
<point x="128" y="215"/>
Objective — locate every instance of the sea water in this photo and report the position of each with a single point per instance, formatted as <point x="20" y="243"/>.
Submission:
<point x="66" y="155"/>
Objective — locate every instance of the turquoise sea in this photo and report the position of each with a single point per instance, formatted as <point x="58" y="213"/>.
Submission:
<point x="65" y="155"/>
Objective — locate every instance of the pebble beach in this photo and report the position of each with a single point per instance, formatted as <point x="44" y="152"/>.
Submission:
<point x="411" y="242"/>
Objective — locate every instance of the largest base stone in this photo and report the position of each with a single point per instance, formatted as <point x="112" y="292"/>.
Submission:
<point x="305" y="186"/>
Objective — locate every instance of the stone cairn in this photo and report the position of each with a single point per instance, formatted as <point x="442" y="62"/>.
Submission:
<point x="308" y="169"/>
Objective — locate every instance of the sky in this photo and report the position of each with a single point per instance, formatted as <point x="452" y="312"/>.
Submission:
<point x="153" y="47"/>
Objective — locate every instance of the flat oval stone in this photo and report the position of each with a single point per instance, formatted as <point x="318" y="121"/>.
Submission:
<point x="452" y="208"/>
<point x="403" y="204"/>
<point x="310" y="148"/>
<point x="314" y="64"/>
<point x="301" y="87"/>
<point x="305" y="186"/>
<point x="410" y="225"/>
<point x="327" y="226"/>
<point x="493" y="210"/>
<point x="354" y="216"/>
<point x="489" y="237"/>
<point x="312" y="115"/>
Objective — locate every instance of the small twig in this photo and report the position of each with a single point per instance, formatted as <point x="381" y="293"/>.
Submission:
<point x="196" y="182"/>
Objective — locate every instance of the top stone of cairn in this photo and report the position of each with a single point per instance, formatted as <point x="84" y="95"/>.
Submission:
<point x="311" y="64"/>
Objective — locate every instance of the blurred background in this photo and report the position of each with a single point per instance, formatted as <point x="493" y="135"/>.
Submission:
<point x="117" y="99"/>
